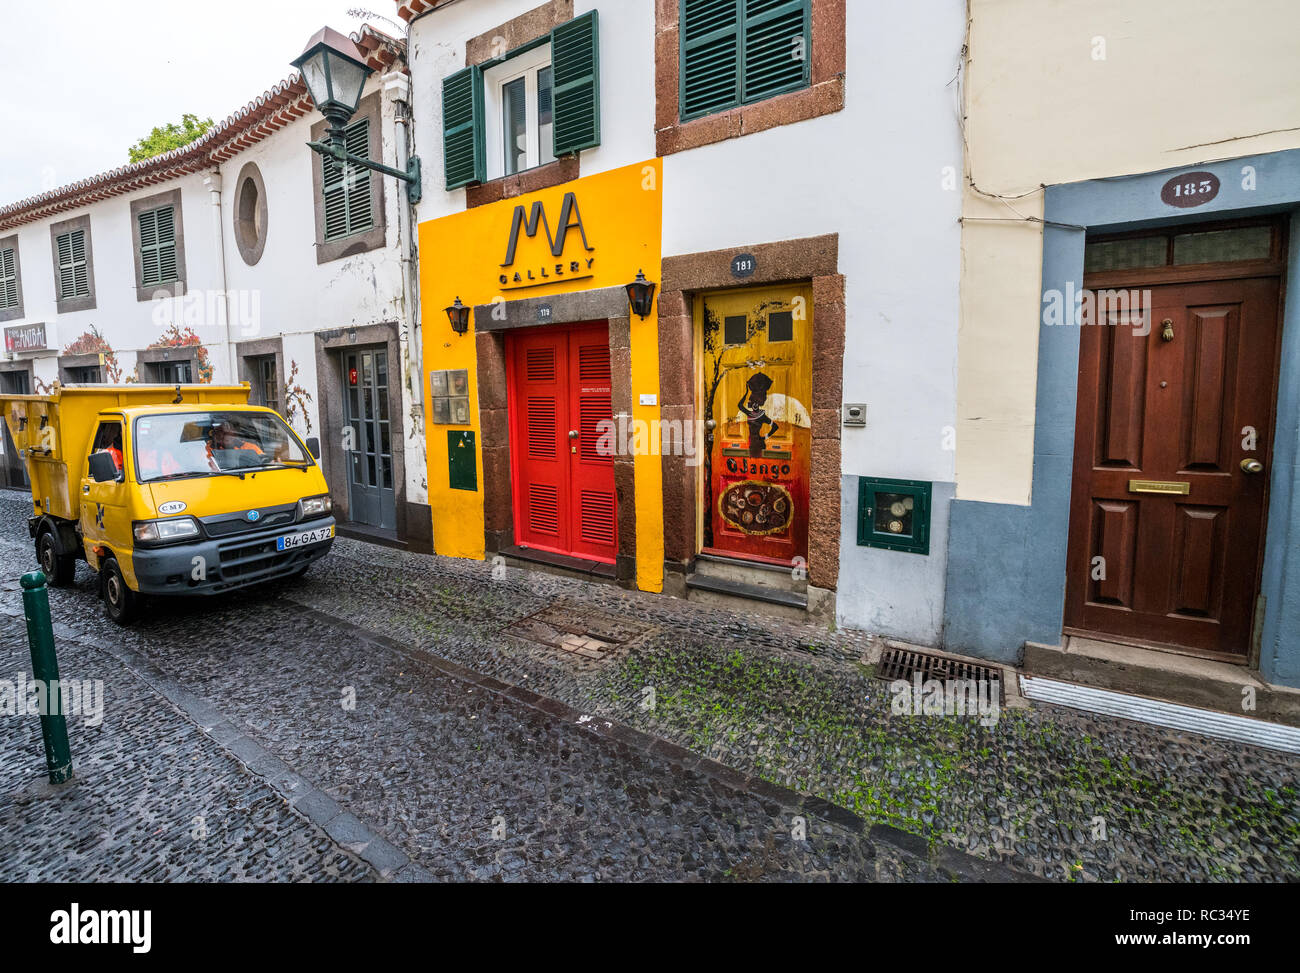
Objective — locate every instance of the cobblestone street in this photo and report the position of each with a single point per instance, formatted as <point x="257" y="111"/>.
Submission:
<point x="471" y="752"/>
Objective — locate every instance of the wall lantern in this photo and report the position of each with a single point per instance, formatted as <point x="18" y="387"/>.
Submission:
<point x="458" y="315"/>
<point x="640" y="295"/>
<point x="335" y="72"/>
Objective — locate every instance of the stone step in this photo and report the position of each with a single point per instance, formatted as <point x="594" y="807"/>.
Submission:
<point x="747" y="598"/>
<point x="1168" y="676"/>
<point x="776" y="576"/>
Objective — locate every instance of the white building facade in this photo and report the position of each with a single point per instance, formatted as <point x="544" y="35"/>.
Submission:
<point x="236" y="258"/>
<point x="788" y="175"/>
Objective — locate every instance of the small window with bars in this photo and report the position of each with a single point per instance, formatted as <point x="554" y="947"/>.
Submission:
<point x="736" y="52"/>
<point x="157" y="246"/>
<point x="347" y="188"/>
<point x="74" y="274"/>
<point x="8" y="278"/>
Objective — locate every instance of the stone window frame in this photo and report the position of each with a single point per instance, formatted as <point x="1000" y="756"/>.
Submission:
<point x="154" y="356"/>
<point x="67" y="305"/>
<point x="14" y="313"/>
<point x="371" y="108"/>
<point x="685" y="277"/>
<point x="248" y="241"/>
<point x="144" y="204"/>
<point x="823" y="96"/>
<point x="515" y="33"/>
<point x="261" y="348"/>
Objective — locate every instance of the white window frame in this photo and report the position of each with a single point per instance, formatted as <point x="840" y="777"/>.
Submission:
<point x="495" y="79"/>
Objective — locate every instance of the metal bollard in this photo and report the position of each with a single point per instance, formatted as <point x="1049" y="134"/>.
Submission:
<point x="45" y="670"/>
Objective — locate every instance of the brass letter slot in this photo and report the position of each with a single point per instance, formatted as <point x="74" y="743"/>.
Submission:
<point x="1181" y="487"/>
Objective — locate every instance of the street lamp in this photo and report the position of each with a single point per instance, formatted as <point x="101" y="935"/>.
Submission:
<point x="458" y="315"/>
<point x="335" y="72"/>
<point x="640" y="295"/>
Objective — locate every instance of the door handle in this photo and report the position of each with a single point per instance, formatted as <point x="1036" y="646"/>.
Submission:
<point x="1251" y="466"/>
<point x="85" y="488"/>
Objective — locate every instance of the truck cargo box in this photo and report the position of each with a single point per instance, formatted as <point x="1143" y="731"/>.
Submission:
<point x="53" y="430"/>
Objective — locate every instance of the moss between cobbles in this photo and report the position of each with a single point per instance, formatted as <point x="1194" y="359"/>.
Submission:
<point x="833" y="735"/>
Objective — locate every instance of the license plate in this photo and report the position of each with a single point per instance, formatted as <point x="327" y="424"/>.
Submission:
<point x="291" y="542"/>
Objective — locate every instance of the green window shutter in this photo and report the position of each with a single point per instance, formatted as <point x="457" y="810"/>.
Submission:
<point x="463" y="153"/>
<point x="710" y="56"/>
<point x="776" y="45"/>
<point x="347" y="189"/>
<point x="575" y="60"/>
<point x="74" y="281"/>
<point x="8" y="279"/>
<point x="735" y="52"/>
<point x="157" y="246"/>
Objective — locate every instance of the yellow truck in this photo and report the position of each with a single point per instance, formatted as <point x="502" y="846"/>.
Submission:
<point x="168" y="490"/>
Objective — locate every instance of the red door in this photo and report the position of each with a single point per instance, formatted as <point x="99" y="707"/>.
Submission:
<point x="1170" y="467"/>
<point x="563" y="476"/>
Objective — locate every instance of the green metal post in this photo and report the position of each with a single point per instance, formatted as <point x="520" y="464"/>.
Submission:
<point x="45" y="670"/>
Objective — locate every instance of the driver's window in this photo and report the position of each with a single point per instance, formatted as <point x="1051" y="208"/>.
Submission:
<point x="108" y="439"/>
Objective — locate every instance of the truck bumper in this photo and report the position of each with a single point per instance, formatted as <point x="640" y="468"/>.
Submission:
<point x="225" y="564"/>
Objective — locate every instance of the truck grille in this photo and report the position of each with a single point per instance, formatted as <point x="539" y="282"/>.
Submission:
<point x="227" y="525"/>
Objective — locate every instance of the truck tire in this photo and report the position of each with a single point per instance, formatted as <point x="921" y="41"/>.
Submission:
<point x="121" y="604"/>
<point x="60" y="569"/>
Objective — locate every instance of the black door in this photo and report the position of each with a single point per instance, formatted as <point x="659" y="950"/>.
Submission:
<point x="371" y="499"/>
<point x="13" y="472"/>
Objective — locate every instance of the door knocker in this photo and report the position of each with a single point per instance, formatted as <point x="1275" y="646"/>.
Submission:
<point x="1167" y="329"/>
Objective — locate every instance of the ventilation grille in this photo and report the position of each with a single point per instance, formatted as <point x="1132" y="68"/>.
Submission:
<point x="592" y="410"/>
<point x="539" y="364"/>
<point x="597" y="517"/>
<point x="593" y="363"/>
<point x="897" y="662"/>
<point x="543" y="509"/>
<point x="541" y="428"/>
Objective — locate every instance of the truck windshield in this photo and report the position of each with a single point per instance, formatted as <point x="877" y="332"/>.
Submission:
<point x="177" y="445"/>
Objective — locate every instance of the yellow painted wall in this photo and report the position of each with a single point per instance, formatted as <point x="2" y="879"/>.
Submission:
<point x="1062" y="91"/>
<point x="461" y="256"/>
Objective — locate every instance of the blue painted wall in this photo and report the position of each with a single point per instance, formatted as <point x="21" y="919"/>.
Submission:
<point x="1006" y="563"/>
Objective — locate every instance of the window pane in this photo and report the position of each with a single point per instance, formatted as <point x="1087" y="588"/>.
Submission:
<point x="545" y="116"/>
<point x="515" y="117"/>
<point x="894" y="513"/>
<point x="1148" y="251"/>
<point x="1220" y="246"/>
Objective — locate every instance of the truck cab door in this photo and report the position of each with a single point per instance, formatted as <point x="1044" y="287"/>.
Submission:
<point x="105" y="511"/>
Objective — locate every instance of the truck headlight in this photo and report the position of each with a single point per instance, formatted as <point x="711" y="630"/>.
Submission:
<point x="172" y="529"/>
<point x="316" y="506"/>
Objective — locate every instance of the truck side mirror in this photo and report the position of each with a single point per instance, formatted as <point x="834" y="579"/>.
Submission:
<point x="102" y="467"/>
<point x="313" y="447"/>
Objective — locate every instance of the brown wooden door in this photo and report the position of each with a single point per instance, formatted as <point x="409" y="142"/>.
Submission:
<point x="1174" y="568"/>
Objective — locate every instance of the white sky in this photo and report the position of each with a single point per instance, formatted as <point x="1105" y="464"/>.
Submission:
<point x="82" y="80"/>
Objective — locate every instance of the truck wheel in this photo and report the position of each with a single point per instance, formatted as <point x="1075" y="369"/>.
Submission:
<point x="120" y="603"/>
<point x="60" y="569"/>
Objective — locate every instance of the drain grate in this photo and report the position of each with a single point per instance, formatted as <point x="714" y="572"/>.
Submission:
<point x="897" y="662"/>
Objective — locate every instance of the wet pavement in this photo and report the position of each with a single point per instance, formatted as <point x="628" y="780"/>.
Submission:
<point x="456" y="720"/>
<point x="252" y="737"/>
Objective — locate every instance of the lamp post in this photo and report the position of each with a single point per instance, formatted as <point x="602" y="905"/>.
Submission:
<point x="335" y="72"/>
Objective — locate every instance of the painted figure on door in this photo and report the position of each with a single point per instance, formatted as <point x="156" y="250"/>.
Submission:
<point x="752" y="409"/>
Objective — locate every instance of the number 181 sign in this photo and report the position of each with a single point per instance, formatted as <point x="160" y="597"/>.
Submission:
<point x="1190" y="189"/>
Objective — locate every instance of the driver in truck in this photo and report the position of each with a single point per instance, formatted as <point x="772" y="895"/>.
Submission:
<point x="224" y="437"/>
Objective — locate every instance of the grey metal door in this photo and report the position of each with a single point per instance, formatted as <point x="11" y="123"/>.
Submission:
<point x="371" y="498"/>
<point x="13" y="471"/>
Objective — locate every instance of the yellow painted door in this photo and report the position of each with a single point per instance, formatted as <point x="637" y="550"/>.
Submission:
<point x="756" y="388"/>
